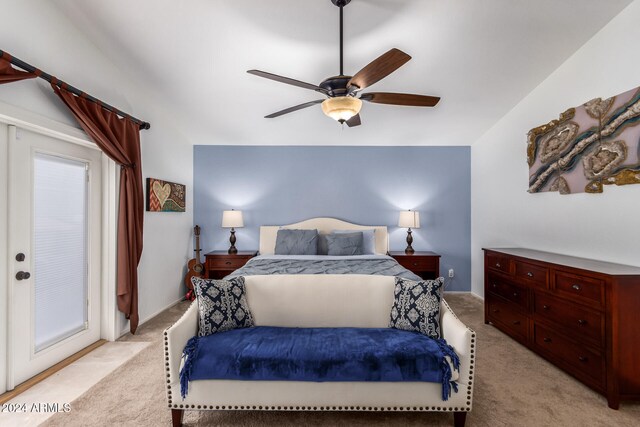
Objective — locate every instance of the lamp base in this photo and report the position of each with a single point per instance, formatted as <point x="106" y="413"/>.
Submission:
<point x="232" y="240"/>
<point x="409" y="250"/>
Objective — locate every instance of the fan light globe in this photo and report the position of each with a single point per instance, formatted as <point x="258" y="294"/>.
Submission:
<point x="341" y="108"/>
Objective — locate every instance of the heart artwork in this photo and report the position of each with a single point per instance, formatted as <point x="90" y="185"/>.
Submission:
<point x="165" y="196"/>
<point x="162" y="192"/>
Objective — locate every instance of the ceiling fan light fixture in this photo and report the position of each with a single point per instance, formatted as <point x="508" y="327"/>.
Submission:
<point x="341" y="108"/>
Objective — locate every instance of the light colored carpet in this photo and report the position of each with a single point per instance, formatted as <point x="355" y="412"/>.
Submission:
<point x="514" y="387"/>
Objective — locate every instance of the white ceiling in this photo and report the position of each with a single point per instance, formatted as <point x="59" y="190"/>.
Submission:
<point x="481" y="57"/>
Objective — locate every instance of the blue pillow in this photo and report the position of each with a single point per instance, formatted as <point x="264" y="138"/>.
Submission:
<point x="416" y="306"/>
<point x="222" y="305"/>
<point x="296" y="242"/>
<point x="368" y="239"/>
<point x="344" y="244"/>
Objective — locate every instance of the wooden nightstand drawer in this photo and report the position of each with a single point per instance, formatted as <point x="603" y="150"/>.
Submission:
<point x="423" y="264"/>
<point x="226" y="263"/>
<point x="220" y="263"/>
<point x="417" y="263"/>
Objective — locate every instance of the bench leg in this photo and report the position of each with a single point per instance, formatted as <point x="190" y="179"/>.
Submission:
<point x="176" y="417"/>
<point x="459" y="418"/>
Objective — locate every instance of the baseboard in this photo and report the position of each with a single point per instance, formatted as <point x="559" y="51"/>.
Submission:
<point x="149" y="317"/>
<point x="477" y="296"/>
<point x="465" y="292"/>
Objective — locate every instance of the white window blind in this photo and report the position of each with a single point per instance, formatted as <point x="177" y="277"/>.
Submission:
<point x="60" y="248"/>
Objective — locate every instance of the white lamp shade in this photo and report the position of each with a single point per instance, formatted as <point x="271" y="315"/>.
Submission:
<point x="232" y="219"/>
<point x="409" y="219"/>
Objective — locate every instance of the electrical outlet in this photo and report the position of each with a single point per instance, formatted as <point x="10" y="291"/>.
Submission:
<point x="451" y="272"/>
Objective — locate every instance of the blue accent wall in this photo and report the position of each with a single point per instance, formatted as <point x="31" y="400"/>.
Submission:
<point x="276" y="185"/>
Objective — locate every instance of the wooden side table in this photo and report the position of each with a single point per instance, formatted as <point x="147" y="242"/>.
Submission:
<point x="219" y="264"/>
<point x="425" y="264"/>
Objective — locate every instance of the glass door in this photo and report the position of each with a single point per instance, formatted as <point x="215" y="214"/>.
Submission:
<point x="54" y="235"/>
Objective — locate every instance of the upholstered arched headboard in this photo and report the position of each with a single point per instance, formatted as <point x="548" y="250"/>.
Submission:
<point x="268" y="233"/>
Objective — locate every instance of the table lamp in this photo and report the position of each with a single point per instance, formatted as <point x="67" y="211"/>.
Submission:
<point x="232" y="219"/>
<point x="409" y="219"/>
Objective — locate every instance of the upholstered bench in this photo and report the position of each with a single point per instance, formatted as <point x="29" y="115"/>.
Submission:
<point x="282" y="303"/>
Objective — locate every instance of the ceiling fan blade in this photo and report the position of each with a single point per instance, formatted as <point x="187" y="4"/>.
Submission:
<point x="354" y="121"/>
<point x="400" y="99"/>
<point x="379" y="68"/>
<point x="286" y="80"/>
<point x="292" y="109"/>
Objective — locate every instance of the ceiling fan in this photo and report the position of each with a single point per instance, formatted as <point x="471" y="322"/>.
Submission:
<point x="344" y="99"/>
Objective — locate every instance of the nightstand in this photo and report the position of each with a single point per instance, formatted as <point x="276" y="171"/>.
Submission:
<point x="424" y="264"/>
<point x="218" y="264"/>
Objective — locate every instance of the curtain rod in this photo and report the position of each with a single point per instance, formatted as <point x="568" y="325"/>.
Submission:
<point x="48" y="77"/>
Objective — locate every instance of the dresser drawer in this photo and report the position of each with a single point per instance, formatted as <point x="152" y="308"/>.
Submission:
<point x="532" y="273"/>
<point x="417" y="263"/>
<point x="504" y="316"/>
<point x="581" y="288"/>
<point x="581" y="322"/>
<point x="226" y="263"/>
<point x="499" y="262"/>
<point x="509" y="291"/>
<point x="576" y="359"/>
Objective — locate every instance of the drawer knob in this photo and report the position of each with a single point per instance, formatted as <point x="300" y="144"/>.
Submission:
<point x="228" y="263"/>
<point x="582" y="322"/>
<point x="495" y="285"/>
<point x="498" y="265"/>
<point x="546" y="307"/>
<point x="583" y="359"/>
<point x="516" y="322"/>
<point x="415" y="264"/>
<point x="576" y="287"/>
<point x="530" y="274"/>
<point x="515" y="294"/>
<point x="546" y="339"/>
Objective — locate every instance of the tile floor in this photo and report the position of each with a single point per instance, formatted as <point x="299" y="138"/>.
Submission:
<point x="69" y="383"/>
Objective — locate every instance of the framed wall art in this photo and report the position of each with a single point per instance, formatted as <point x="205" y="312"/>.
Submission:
<point x="165" y="196"/>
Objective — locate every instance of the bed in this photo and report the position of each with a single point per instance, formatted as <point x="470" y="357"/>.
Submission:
<point x="320" y="291"/>
<point x="376" y="263"/>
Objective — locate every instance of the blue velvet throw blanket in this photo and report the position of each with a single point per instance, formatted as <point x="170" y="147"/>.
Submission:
<point x="318" y="354"/>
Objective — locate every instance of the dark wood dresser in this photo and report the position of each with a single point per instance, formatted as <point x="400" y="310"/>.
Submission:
<point x="581" y="315"/>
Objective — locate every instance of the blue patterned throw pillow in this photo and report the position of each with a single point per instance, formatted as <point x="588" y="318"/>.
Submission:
<point x="222" y="305"/>
<point x="416" y="306"/>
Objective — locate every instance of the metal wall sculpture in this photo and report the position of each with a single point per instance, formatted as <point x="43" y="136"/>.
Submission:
<point x="588" y="147"/>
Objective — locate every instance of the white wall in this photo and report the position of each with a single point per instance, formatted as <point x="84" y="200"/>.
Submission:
<point x="600" y="226"/>
<point x="35" y="31"/>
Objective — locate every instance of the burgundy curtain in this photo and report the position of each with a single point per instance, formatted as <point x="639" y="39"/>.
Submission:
<point x="118" y="138"/>
<point x="9" y="74"/>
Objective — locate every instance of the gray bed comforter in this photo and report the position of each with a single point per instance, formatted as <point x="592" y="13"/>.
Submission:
<point x="378" y="265"/>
